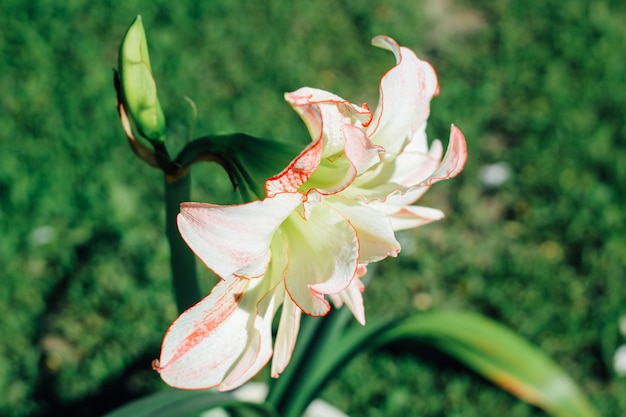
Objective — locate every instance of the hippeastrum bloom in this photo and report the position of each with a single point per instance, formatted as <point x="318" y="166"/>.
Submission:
<point x="331" y="212"/>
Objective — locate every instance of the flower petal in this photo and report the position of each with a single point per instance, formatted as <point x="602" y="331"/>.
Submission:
<point x="409" y="217"/>
<point x="353" y="297"/>
<point x="359" y="148"/>
<point x="325" y="114"/>
<point x="413" y="166"/>
<point x="373" y="228"/>
<point x="408" y="169"/>
<point x="403" y="180"/>
<point x="268" y="293"/>
<point x="334" y="175"/>
<point x="286" y="336"/>
<point x="345" y="151"/>
<point x="235" y="240"/>
<point x="323" y="254"/>
<point x="405" y="94"/>
<point x="258" y="350"/>
<point x="298" y="171"/>
<point x="454" y="160"/>
<point x="200" y="347"/>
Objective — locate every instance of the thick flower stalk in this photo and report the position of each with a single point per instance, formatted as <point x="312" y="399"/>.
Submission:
<point x="331" y="212"/>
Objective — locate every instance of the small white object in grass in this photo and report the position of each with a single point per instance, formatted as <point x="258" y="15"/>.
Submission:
<point x="619" y="361"/>
<point x="494" y="175"/>
<point x="42" y="235"/>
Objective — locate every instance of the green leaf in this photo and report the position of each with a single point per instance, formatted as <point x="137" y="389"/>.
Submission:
<point x="487" y="347"/>
<point x="500" y="355"/>
<point x="179" y="403"/>
<point x="248" y="160"/>
<point x="138" y="88"/>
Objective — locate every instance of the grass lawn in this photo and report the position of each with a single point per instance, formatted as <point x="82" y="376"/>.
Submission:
<point x="538" y="88"/>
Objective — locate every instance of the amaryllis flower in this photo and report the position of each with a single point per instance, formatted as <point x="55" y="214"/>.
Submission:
<point x="331" y="212"/>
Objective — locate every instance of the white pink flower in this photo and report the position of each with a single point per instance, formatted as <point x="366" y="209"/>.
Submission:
<point x="331" y="212"/>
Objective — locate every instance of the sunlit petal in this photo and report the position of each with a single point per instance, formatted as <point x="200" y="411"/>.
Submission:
<point x="323" y="254"/>
<point x="298" y="171"/>
<point x="235" y="240"/>
<point x="258" y="350"/>
<point x="286" y="336"/>
<point x="374" y="229"/>
<point x="409" y="217"/>
<point x="405" y="94"/>
<point x="325" y="114"/>
<point x="413" y="166"/>
<point x="353" y="296"/>
<point x="330" y="120"/>
<point x="454" y="159"/>
<point x="203" y="343"/>
<point x="269" y="294"/>
<point x="359" y="149"/>
<point x="336" y="174"/>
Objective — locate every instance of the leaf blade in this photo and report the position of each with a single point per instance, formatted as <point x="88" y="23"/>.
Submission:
<point x="180" y="403"/>
<point x="500" y="355"/>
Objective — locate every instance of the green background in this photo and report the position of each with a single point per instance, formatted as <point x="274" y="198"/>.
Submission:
<point x="537" y="85"/>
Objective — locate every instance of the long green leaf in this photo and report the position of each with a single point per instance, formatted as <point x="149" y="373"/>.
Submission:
<point x="500" y="355"/>
<point x="489" y="348"/>
<point x="179" y="403"/>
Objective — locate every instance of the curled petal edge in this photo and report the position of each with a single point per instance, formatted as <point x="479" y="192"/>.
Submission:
<point x="453" y="161"/>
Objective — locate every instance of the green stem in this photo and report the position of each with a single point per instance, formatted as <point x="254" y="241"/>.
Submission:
<point x="182" y="259"/>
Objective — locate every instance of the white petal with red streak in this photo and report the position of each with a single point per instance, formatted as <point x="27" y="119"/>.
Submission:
<point x="405" y="94"/>
<point x="454" y="159"/>
<point x="258" y="350"/>
<point x="337" y="173"/>
<point x="325" y="114"/>
<point x="405" y="179"/>
<point x="270" y="294"/>
<point x="298" y="171"/>
<point x="235" y="240"/>
<point x="413" y="166"/>
<point x="204" y="342"/>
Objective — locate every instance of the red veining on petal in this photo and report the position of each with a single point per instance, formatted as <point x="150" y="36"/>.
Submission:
<point x="371" y="117"/>
<point x="297" y="173"/>
<point x="453" y="161"/>
<point x="226" y="305"/>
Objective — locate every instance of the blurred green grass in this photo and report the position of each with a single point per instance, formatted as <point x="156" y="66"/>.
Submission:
<point x="539" y="86"/>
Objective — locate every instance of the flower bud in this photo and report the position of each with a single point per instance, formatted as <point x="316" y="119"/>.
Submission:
<point x="138" y="88"/>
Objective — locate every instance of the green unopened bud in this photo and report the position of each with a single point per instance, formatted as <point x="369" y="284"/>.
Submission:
<point x="138" y="88"/>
